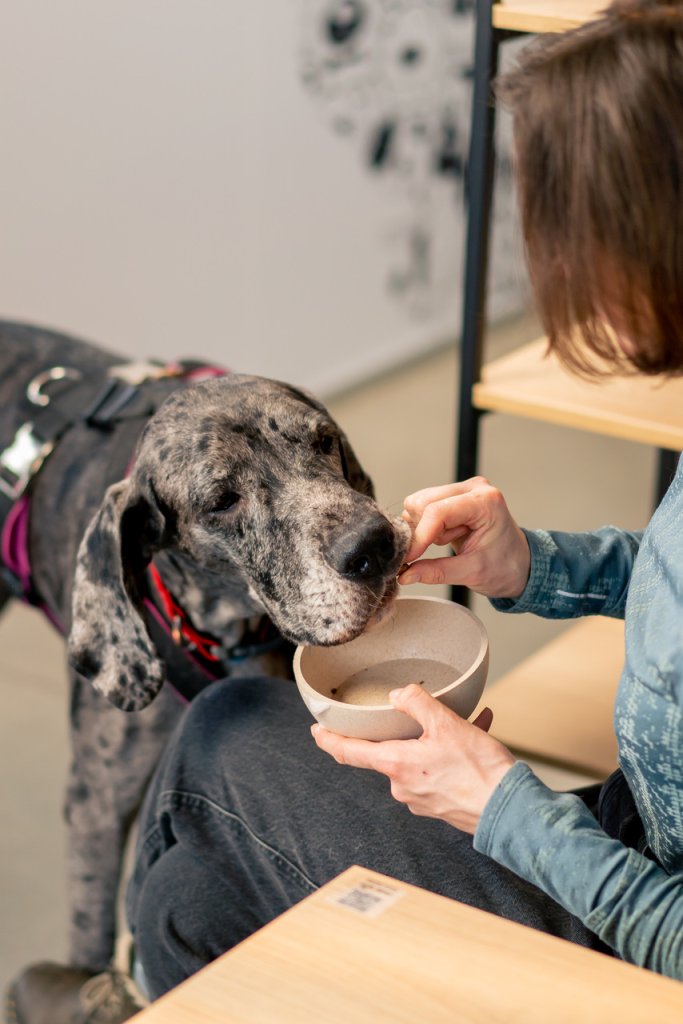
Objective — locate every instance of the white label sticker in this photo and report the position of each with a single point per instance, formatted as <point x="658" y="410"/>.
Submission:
<point x="368" y="897"/>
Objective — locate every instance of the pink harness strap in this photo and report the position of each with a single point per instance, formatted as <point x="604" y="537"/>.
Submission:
<point x="205" y="373"/>
<point x="14" y="550"/>
<point x="14" y="541"/>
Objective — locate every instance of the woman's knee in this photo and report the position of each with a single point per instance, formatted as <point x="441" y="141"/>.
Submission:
<point x="230" y="703"/>
<point x="189" y="910"/>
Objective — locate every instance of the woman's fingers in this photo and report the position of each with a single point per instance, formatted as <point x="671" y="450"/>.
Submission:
<point x="493" y="554"/>
<point x="416" y="702"/>
<point x="449" y="569"/>
<point x="420" y="542"/>
<point x="442" y="522"/>
<point x="448" y="773"/>
<point x="430" y="713"/>
<point x="382" y="757"/>
<point x="354" y="752"/>
<point x="416" y="503"/>
<point x="484" y="720"/>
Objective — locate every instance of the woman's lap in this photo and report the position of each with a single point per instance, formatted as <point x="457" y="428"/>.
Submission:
<point x="246" y="816"/>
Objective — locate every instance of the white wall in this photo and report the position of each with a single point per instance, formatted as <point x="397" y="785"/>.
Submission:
<point x="191" y="178"/>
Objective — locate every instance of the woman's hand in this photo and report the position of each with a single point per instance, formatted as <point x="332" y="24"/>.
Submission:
<point x="492" y="554"/>
<point x="449" y="772"/>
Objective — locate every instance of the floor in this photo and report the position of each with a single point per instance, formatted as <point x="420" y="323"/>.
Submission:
<point x="402" y="427"/>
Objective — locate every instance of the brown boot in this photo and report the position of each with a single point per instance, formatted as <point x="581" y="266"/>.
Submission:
<point x="48" y="993"/>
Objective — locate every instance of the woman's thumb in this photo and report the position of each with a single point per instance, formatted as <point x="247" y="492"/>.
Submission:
<point x="416" y="702"/>
<point x="435" y="571"/>
<point x="484" y="720"/>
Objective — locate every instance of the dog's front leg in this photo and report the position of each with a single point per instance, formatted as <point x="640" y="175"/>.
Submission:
<point x="113" y="756"/>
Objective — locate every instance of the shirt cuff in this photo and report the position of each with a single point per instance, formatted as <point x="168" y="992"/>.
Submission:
<point x="513" y="779"/>
<point x="541" y="550"/>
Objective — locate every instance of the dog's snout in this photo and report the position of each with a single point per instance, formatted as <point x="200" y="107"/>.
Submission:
<point x="363" y="552"/>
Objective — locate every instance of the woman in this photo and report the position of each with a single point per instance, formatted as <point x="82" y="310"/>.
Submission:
<point x="246" y="816"/>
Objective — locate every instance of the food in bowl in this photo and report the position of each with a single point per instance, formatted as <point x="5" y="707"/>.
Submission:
<point x="373" y="685"/>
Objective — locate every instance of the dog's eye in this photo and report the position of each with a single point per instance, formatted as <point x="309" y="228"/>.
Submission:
<point x="327" y="443"/>
<point x="226" y="502"/>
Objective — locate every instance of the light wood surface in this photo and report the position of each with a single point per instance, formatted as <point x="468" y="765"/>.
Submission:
<point x="411" y="957"/>
<point x="528" y="383"/>
<point x="558" y="704"/>
<point x="544" y="15"/>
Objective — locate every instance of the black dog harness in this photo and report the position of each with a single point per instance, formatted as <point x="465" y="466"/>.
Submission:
<point x="103" y="400"/>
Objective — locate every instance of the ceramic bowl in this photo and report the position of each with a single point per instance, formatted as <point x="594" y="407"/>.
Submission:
<point x="426" y="640"/>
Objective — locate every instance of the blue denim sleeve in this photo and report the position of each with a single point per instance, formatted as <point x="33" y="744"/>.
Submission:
<point x="574" y="574"/>
<point x="552" y="840"/>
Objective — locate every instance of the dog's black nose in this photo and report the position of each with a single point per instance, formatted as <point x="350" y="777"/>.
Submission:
<point x="363" y="552"/>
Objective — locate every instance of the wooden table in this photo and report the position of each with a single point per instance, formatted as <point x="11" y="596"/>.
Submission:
<point x="366" y="949"/>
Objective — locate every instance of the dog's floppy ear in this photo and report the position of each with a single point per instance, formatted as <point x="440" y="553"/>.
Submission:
<point x="109" y="644"/>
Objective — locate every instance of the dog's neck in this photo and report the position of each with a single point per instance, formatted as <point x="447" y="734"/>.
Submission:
<point x="214" y="604"/>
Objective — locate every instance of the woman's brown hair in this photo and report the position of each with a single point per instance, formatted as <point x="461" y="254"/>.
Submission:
<point x="598" y="129"/>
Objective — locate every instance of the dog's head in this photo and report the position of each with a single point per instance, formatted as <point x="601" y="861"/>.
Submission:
<point x="252" y="484"/>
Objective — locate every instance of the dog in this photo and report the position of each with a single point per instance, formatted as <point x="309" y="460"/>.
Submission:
<point x="242" y="497"/>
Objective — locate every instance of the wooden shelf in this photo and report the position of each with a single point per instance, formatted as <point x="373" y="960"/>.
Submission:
<point x="527" y="383"/>
<point x="544" y="16"/>
<point x="558" y="704"/>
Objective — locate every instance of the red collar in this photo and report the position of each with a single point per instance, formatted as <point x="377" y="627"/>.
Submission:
<point x="261" y="639"/>
<point x="183" y="632"/>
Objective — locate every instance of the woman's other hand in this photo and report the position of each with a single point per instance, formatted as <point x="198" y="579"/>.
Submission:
<point x="492" y="554"/>
<point x="449" y="772"/>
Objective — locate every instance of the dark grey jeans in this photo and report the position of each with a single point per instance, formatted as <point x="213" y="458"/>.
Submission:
<point x="245" y="817"/>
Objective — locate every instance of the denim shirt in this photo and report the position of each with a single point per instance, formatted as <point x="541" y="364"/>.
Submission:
<point x="632" y="901"/>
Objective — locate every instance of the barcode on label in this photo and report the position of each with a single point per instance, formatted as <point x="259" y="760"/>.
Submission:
<point x="367" y="897"/>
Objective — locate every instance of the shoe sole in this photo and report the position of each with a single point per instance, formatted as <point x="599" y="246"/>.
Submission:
<point x="11" y="1014"/>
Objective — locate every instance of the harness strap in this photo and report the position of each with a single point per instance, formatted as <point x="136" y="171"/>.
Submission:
<point x="15" y="544"/>
<point x="100" y="399"/>
<point x="16" y="570"/>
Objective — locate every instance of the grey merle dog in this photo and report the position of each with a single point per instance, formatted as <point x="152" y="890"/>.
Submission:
<point x="241" y="495"/>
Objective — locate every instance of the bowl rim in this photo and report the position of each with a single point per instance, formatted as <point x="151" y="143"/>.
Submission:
<point x="359" y="708"/>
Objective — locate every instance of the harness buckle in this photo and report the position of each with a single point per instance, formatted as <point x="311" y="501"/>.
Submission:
<point x="178" y="637"/>
<point x="34" y="391"/>
<point x="176" y="632"/>
<point x="21" y="460"/>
